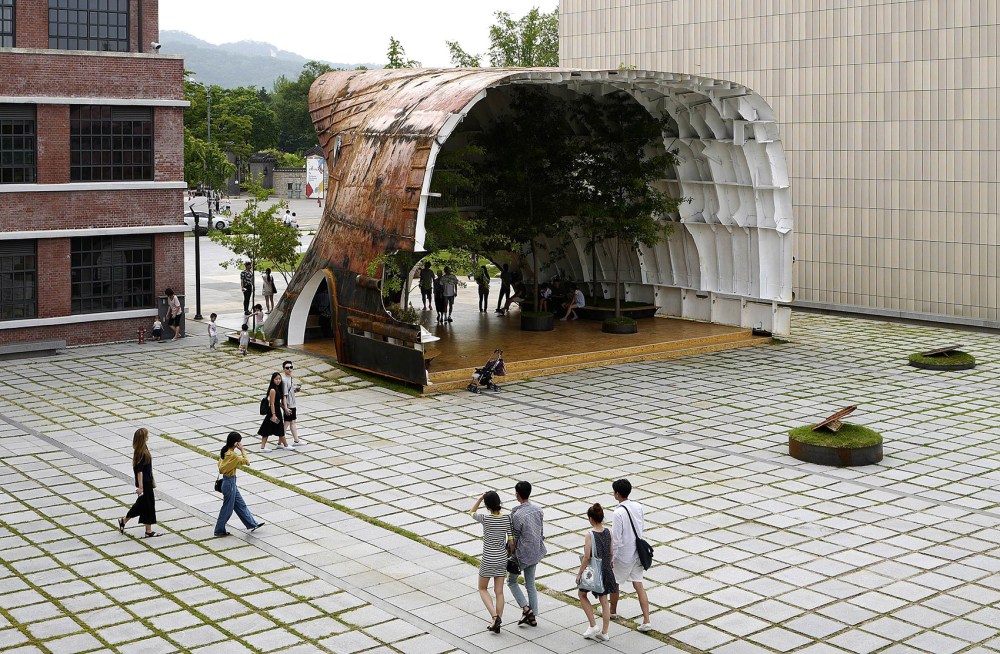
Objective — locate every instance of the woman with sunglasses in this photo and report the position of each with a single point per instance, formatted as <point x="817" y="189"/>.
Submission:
<point x="273" y="423"/>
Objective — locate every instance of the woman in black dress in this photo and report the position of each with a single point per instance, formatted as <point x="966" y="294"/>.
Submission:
<point x="142" y="466"/>
<point x="273" y="423"/>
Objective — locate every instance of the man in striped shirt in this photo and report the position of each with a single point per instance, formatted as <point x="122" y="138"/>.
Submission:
<point x="528" y="545"/>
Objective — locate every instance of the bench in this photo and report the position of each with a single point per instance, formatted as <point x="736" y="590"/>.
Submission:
<point x="589" y="312"/>
<point x="20" y="350"/>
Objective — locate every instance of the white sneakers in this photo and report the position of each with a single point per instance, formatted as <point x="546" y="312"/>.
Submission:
<point x="602" y="637"/>
<point x="592" y="632"/>
<point x="284" y="447"/>
<point x="644" y="627"/>
<point x="264" y="450"/>
<point x="299" y="442"/>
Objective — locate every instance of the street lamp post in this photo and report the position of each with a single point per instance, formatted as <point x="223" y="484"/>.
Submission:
<point x="197" y="218"/>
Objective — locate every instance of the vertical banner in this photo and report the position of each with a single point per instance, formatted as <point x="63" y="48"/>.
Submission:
<point x="315" y="177"/>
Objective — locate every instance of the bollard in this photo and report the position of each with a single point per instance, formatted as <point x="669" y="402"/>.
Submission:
<point x="142" y="335"/>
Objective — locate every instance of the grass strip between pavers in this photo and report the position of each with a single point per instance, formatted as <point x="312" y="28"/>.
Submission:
<point x="444" y="549"/>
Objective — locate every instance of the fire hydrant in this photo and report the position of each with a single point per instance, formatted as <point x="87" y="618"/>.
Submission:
<point x="142" y="335"/>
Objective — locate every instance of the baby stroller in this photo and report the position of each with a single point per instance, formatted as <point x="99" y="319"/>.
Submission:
<point x="494" y="367"/>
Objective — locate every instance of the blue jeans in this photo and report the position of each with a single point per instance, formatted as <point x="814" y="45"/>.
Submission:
<point x="529" y="584"/>
<point x="232" y="501"/>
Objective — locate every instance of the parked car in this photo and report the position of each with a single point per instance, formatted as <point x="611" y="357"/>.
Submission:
<point x="219" y="221"/>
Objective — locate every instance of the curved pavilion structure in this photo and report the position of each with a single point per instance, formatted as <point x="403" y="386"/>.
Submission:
<point x="728" y="259"/>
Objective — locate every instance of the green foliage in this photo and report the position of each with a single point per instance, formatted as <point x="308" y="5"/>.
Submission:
<point x="407" y="315"/>
<point x="290" y="102"/>
<point x="285" y="159"/>
<point x="530" y="41"/>
<point x="397" y="56"/>
<point x="205" y="164"/>
<point x="616" y="168"/>
<point x="850" y="435"/>
<point x="257" y="233"/>
<point x="526" y="172"/>
<point x="242" y="118"/>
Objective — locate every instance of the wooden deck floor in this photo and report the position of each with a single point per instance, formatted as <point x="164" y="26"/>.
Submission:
<point x="470" y="340"/>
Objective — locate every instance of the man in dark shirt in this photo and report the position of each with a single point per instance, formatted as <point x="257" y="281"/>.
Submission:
<point x="246" y="282"/>
<point x="504" y="287"/>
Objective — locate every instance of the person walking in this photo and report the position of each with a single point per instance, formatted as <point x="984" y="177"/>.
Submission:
<point x="246" y="284"/>
<point x="273" y="423"/>
<point x="597" y="544"/>
<point x="626" y="527"/>
<point x="268" y="288"/>
<point x="232" y="457"/>
<point x="173" y="312"/>
<point x="213" y="332"/>
<point x="449" y="288"/>
<point x="493" y="564"/>
<point x="440" y="305"/>
<point x="504" y="286"/>
<point x="291" y="415"/>
<point x="483" y="282"/>
<point x="427" y="285"/>
<point x="528" y="545"/>
<point x="142" y="467"/>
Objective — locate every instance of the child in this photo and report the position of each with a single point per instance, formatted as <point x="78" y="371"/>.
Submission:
<point x="258" y="321"/>
<point x="597" y="544"/>
<point x="244" y="339"/>
<point x="213" y="333"/>
<point x="157" y="330"/>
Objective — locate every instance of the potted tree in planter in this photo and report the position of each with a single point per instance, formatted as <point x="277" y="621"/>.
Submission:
<point x="525" y="172"/>
<point x="620" y="160"/>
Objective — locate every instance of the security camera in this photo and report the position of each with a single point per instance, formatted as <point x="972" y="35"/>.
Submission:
<point x="155" y="45"/>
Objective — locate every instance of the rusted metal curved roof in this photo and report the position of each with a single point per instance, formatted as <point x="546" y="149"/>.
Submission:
<point x="381" y="131"/>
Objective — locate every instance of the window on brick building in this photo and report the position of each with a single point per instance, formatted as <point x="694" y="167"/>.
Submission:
<point x="17" y="143"/>
<point x="110" y="143"/>
<point x="89" y="25"/>
<point x="18" y="280"/>
<point x="6" y="23"/>
<point x="111" y="273"/>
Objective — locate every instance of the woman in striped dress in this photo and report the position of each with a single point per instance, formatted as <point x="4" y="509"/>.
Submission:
<point x="496" y="532"/>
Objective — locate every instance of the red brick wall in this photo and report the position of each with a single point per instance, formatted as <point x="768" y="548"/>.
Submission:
<point x="32" y="24"/>
<point x="90" y="209"/>
<point x="168" y="258"/>
<point x="53" y="277"/>
<point x="52" y="127"/>
<point x="111" y="76"/>
<point x="168" y="144"/>
<point x="105" y="331"/>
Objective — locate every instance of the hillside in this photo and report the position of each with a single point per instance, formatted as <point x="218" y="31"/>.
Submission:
<point x="244" y="63"/>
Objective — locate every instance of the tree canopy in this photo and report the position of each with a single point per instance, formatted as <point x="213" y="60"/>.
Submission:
<point x="290" y="103"/>
<point x="530" y="41"/>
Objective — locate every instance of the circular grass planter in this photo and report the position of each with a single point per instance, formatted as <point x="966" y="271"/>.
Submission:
<point x="537" y="321"/>
<point x="852" y="445"/>
<point x="957" y="360"/>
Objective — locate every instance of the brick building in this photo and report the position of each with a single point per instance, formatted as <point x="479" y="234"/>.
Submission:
<point x="91" y="170"/>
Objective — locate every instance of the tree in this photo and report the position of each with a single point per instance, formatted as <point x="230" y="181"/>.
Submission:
<point x="397" y="56"/>
<point x="290" y="102"/>
<point x="257" y="233"/>
<point x="205" y="164"/>
<point x="620" y="159"/>
<point x="530" y="41"/>
<point x="527" y="172"/>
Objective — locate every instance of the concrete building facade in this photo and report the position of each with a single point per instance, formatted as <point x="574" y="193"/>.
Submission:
<point x="889" y="118"/>
<point x="91" y="170"/>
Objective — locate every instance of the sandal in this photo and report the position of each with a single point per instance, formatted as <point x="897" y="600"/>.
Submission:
<point x="151" y="534"/>
<point x="121" y="525"/>
<point x="531" y="619"/>
<point x="528" y="617"/>
<point x="495" y="627"/>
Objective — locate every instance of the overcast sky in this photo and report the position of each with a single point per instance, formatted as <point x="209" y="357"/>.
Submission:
<point x="347" y="31"/>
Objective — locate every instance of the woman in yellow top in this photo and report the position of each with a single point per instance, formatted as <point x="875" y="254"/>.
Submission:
<point x="232" y="457"/>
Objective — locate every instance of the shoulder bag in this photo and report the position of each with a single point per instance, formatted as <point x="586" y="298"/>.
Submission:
<point x="218" y="484"/>
<point x="513" y="565"/>
<point x="642" y="548"/>
<point x="591" y="579"/>
<point x="265" y="406"/>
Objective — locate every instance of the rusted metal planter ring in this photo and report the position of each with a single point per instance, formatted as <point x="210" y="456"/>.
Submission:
<point x="835" y="456"/>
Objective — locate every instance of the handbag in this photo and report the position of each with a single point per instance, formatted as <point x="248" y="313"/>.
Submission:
<point x="218" y="484"/>
<point x="265" y="407"/>
<point x="513" y="565"/>
<point x="591" y="578"/>
<point x="642" y="548"/>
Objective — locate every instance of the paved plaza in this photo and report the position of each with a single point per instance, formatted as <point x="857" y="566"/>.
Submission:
<point x="367" y="545"/>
